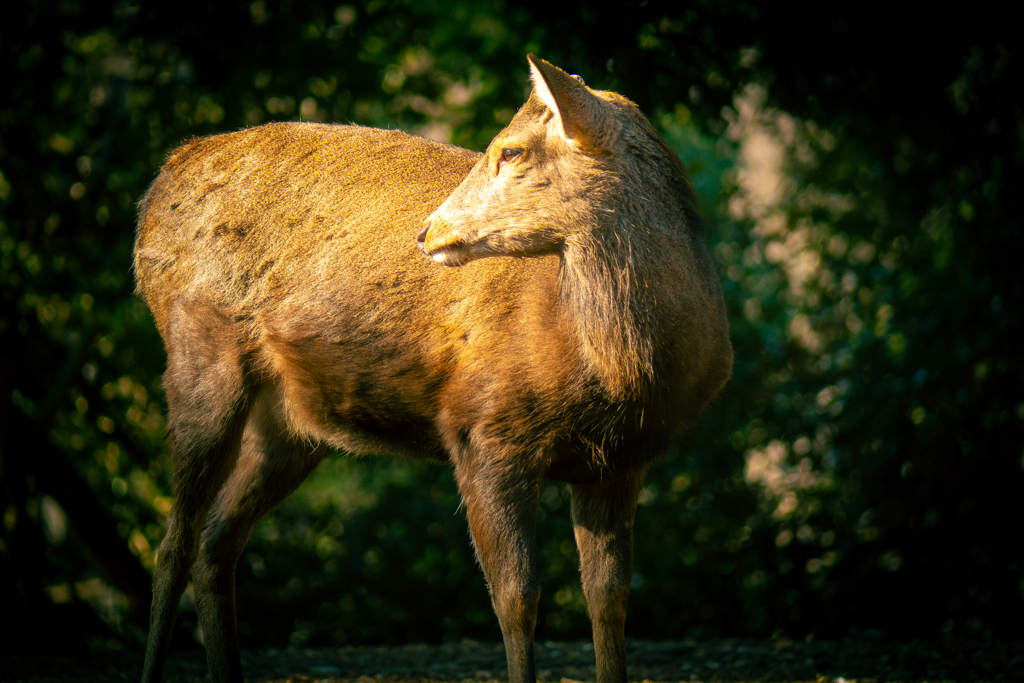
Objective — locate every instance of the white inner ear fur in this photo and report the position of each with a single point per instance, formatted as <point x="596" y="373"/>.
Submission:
<point x="540" y="85"/>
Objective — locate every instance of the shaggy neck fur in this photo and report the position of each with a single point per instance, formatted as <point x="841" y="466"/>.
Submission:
<point x="610" y="306"/>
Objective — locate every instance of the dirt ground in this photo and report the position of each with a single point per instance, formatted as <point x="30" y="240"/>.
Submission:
<point x="844" y="661"/>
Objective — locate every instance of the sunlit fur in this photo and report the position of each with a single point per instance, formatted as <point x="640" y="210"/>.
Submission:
<point x="576" y="336"/>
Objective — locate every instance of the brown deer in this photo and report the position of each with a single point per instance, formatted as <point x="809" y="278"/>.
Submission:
<point x="578" y="338"/>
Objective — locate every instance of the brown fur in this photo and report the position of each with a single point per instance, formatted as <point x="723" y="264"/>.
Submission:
<point x="282" y="268"/>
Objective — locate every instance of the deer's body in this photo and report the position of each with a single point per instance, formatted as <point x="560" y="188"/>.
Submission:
<point x="282" y="267"/>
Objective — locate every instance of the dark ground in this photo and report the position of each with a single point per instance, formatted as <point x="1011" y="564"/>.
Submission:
<point x="863" y="659"/>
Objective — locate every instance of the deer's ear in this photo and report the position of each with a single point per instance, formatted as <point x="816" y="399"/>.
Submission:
<point x="578" y="114"/>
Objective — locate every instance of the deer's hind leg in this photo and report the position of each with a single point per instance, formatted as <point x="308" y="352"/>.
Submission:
<point x="206" y="387"/>
<point x="272" y="463"/>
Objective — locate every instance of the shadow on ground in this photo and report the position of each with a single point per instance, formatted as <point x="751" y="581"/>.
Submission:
<point x="864" y="659"/>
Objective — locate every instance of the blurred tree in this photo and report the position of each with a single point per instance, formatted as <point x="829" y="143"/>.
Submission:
<point x="859" y="171"/>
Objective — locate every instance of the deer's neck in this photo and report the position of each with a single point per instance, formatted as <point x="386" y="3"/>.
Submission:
<point x="605" y="289"/>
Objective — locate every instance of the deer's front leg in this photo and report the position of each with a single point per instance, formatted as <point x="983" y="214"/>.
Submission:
<point x="602" y="516"/>
<point x="502" y="511"/>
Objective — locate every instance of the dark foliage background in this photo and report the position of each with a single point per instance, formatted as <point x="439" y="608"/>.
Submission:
<point x="863" y="469"/>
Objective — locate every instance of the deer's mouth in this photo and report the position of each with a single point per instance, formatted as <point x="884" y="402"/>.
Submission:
<point x="451" y="255"/>
<point x="453" y="252"/>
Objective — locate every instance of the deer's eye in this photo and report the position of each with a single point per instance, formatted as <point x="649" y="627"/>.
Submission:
<point x="510" y="153"/>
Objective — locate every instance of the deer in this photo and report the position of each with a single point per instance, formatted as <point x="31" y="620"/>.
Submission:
<point x="545" y="311"/>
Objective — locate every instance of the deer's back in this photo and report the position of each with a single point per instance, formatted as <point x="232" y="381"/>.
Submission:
<point x="274" y="214"/>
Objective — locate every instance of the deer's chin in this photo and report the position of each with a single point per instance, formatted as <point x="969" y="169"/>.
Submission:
<point x="460" y="253"/>
<point x="451" y="256"/>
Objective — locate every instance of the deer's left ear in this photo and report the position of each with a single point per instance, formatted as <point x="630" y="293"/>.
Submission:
<point x="579" y="115"/>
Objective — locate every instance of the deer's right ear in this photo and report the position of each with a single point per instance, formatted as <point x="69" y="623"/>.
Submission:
<point x="578" y="114"/>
